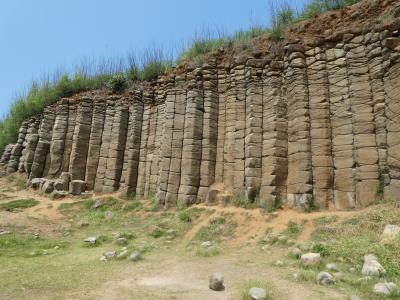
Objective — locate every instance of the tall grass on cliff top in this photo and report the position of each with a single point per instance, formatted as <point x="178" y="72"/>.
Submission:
<point x="88" y="75"/>
<point x="117" y="74"/>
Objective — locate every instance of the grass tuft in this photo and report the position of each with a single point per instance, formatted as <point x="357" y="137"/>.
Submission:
<point x="18" y="205"/>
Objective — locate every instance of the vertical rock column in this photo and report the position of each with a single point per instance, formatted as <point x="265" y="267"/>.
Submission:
<point x="16" y="151"/>
<point x="72" y="107"/>
<point x="80" y="144"/>
<point x="321" y="144"/>
<point x="192" y="139"/>
<point x="150" y="156"/>
<point x="230" y="125"/>
<point x="132" y="149"/>
<point x="177" y="141"/>
<point x="274" y="152"/>
<point x="365" y="151"/>
<point x="96" y="133"/>
<point x="158" y="126"/>
<point x="58" y="139"/>
<point x="31" y="141"/>
<point x="254" y="125"/>
<point x="148" y="98"/>
<point x="210" y="129"/>
<point x="222" y="88"/>
<point x="43" y="146"/>
<point x="342" y="128"/>
<point x="391" y="57"/>
<point x="115" y="157"/>
<point x="238" y="80"/>
<point x="299" y="182"/>
<point x="375" y="66"/>
<point x="166" y="143"/>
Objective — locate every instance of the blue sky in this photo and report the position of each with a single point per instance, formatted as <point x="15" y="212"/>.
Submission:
<point x="40" y="36"/>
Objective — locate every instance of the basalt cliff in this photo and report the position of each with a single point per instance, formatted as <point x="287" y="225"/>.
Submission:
<point x="314" y="118"/>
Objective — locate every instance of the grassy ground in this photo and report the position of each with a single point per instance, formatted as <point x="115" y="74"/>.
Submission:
<point x="44" y="257"/>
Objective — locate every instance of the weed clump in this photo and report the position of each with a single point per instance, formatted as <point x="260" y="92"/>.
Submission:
<point x="18" y="205"/>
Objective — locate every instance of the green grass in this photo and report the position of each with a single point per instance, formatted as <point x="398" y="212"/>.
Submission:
<point x="19" y="245"/>
<point x="18" y="205"/>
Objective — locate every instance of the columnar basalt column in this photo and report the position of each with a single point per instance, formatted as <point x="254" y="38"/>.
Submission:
<point x="230" y="124"/>
<point x="274" y="150"/>
<point x="342" y="128"/>
<point x="222" y="89"/>
<point x="16" y="151"/>
<point x="177" y="141"/>
<point x="299" y="181"/>
<point x="210" y="129"/>
<point x="72" y="110"/>
<point x="321" y="144"/>
<point x="96" y="133"/>
<point x="117" y="146"/>
<point x="144" y="168"/>
<point x="192" y="139"/>
<point x="238" y="80"/>
<point x="58" y="139"/>
<point x="166" y="143"/>
<point x="254" y="128"/>
<point x="105" y="144"/>
<point x="80" y="144"/>
<point x="391" y="81"/>
<point x="43" y="146"/>
<point x="150" y="156"/>
<point x="132" y="149"/>
<point x="31" y="141"/>
<point x="365" y="150"/>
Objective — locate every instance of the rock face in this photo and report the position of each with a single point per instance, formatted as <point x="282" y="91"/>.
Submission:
<point x="316" y="122"/>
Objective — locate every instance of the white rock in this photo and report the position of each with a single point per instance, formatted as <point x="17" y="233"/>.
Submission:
<point x="372" y="267"/>
<point x="390" y="231"/>
<point x="311" y="259"/>
<point x="135" y="256"/>
<point x="216" y="282"/>
<point x="256" y="293"/>
<point x="325" y="278"/>
<point x="332" y="267"/>
<point x="91" y="240"/>
<point x="384" y="288"/>
<point x="109" y="254"/>
<point x="206" y="244"/>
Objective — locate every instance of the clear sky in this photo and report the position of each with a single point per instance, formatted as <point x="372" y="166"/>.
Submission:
<point x="40" y="36"/>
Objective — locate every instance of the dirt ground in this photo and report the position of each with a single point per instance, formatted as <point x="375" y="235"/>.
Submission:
<point x="167" y="272"/>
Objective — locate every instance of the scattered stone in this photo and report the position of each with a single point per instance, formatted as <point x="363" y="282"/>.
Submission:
<point x="110" y="254"/>
<point x="48" y="186"/>
<point x="135" y="256"/>
<point x="365" y="278"/>
<point x="256" y="293"/>
<point x="4" y="232"/>
<point x="108" y="215"/>
<point x="372" y="267"/>
<point x="62" y="183"/>
<point x="36" y="183"/>
<point x="91" y="240"/>
<point x="216" y="282"/>
<point x="207" y="244"/>
<point x="390" y="231"/>
<point x="103" y="258"/>
<point x="311" y="259"/>
<point x="77" y="187"/>
<point x="332" y="267"/>
<point x="384" y="288"/>
<point x="83" y="223"/>
<point x="122" y="241"/>
<point x="296" y="252"/>
<point x="97" y="204"/>
<point x="279" y="263"/>
<point x="59" y="194"/>
<point x="325" y="278"/>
